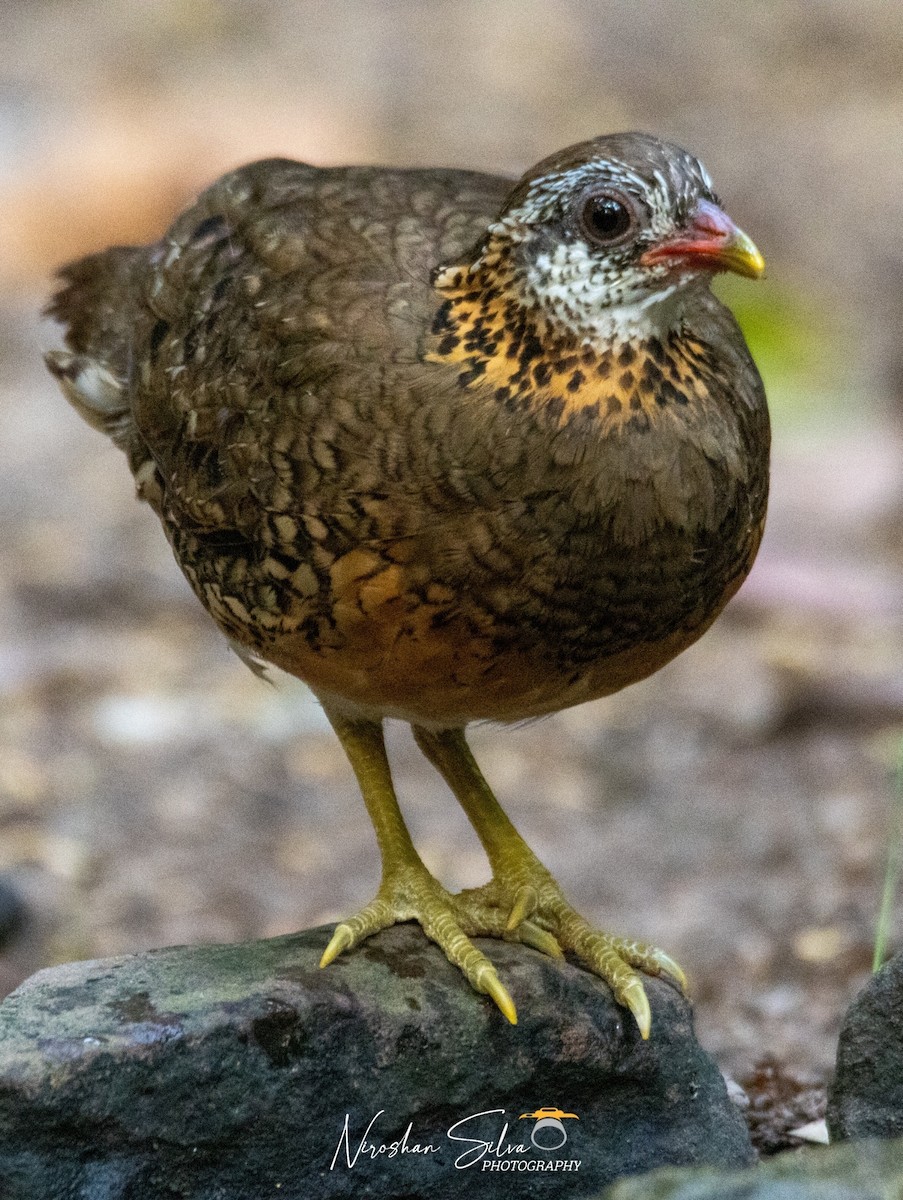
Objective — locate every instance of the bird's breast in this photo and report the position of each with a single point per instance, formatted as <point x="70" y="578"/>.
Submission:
<point x="549" y="522"/>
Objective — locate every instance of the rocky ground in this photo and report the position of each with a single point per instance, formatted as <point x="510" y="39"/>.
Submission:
<point x="735" y="809"/>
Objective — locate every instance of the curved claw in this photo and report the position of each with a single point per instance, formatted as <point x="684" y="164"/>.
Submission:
<point x="540" y="939"/>
<point x="525" y="901"/>
<point x="342" y="939"/>
<point x="667" y="964"/>
<point x="634" y="996"/>
<point x="491" y="984"/>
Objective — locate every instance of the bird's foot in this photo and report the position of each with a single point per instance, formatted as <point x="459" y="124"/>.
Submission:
<point x="412" y="894"/>
<point x="524" y="905"/>
<point x="527" y="905"/>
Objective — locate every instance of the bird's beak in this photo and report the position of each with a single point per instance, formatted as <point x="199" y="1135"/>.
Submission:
<point x="709" y="241"/>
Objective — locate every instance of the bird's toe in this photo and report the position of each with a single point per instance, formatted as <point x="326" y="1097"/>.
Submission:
<point x="412" y="894"/>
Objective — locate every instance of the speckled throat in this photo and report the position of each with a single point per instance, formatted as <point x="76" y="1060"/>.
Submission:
<point x="483" y="326"/>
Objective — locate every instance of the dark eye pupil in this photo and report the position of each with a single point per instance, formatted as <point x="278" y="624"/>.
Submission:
<point x="606" y="218"/>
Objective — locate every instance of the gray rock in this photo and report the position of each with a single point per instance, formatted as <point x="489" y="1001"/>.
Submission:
<point x="867" y="1170"/>
<point x="865" y="1098"/>
<point x="230" y="1072"/>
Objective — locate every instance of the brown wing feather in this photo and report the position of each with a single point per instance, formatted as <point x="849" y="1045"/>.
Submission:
<point x="280" y="273"/>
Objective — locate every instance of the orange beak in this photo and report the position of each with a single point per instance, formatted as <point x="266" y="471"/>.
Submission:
<point x="710" y="242"/>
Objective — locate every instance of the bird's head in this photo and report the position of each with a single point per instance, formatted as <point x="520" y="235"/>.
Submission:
<point x="604" y="240"/>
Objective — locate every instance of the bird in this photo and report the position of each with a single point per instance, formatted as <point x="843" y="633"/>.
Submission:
<point x="449" y="447"/>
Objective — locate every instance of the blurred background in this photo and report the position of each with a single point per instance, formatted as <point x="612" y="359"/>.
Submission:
<point x="735" y="808"/>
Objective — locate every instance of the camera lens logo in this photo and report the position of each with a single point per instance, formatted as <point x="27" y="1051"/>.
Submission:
<point x="548" y="1133"/>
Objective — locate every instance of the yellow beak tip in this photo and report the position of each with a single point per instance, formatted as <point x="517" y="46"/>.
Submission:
<point x="743" y="257"/>
<point x="755" y="266"/>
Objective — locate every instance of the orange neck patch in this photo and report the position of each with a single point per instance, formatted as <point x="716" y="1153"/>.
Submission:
<point x="501" y="346"/>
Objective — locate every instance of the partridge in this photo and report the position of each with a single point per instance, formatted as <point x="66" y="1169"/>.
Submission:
<point x="449" y="448"/>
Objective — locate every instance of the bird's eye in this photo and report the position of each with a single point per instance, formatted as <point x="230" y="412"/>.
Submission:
<point x="607" y="218"/>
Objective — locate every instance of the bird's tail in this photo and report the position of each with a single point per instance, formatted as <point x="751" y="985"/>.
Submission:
<point x="92" y="305"/>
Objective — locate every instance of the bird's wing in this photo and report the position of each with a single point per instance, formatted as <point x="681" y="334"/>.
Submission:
<point x="205" y="354"/>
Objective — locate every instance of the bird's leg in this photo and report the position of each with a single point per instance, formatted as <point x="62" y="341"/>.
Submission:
<point x="407" y="892"/>
<point x="526" y="892"/>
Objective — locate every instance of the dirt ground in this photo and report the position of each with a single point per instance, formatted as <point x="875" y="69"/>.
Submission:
<point x="734" y="809"/>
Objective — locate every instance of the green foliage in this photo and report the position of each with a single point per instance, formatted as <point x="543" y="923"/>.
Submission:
<point x="801" y="353"/>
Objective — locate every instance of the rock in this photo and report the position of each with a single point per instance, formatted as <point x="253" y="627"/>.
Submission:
<point x="865" y="1098"/>
<point x="245" y="1071"/>
<point x="867" y="1170"/>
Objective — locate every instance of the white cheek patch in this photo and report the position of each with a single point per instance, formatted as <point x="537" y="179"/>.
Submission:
<point x="578" y="295"/>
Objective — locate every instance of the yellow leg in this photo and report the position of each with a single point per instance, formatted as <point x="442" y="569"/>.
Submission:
<point x="408" y="892"/>
<point x="522" y="890"/>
